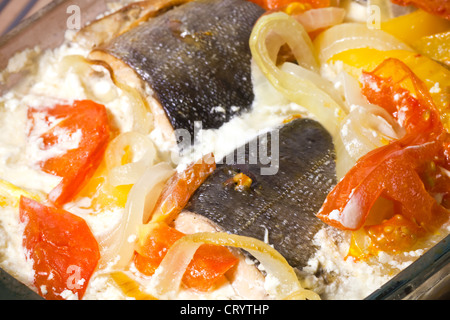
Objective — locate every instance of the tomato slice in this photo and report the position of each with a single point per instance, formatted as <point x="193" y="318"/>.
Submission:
<point x="437" y="7"/>
<point x="395" y="171"/>
<point x="397" y="89"/>
<point x="62" y="247"/>
<point x="206" y="269"/>
<point x="85" y="124"/>
<point x="394" y="235"/>
<point x="181" y="187"/>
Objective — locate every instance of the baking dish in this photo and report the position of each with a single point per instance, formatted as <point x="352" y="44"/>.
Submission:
<point x="427" y="278"/>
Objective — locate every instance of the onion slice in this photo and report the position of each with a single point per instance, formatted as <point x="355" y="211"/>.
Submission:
<point x="315" y="19"/>
<point x="140" y="203"/>
<point x="129" y="173"/>
<point x="298" y="83"/>
<point x="353" y="35"/>
<point x="367" y="126"/>
<point x="168" y="276"/>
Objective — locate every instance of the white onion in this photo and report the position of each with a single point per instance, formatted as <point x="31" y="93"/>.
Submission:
<point x="367" y="126"/>
<point x="119" y="244"/>
<point x="141" y="147"/>
<point x="363" y="131"/>
<point x="168" y="276"/>
<point x="320" y="18"/>
<point x="140" y="111"/>
<point x="354" y="35"/>
<point x="318" y="80"/>
<point x="84" y="70"/>
<point x="298" y="83"/>
<point x="142" y="117"/>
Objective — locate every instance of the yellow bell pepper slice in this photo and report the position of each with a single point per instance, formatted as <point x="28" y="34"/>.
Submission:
<point x="418" y="24"/>
<point x="10" y="194"/>
<point x="436" y="46"/>
<point x="103" y="194"/>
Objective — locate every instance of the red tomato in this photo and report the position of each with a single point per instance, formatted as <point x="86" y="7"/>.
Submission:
<point x="396" y="171"/>
<point x="87" y="120"/>
<point x="180" y="188"/>
<point x="207" y="267"/>
<point x="394" y="235"/>
<point x="397" y="89"/>
<point x="437" y="7"/>
<point x="61" y="245"/>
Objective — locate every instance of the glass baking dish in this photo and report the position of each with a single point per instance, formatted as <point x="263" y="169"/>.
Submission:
<point x="426" y="278"/>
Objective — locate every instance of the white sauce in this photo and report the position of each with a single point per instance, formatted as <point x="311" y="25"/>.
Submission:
<point x="351" y="280"/>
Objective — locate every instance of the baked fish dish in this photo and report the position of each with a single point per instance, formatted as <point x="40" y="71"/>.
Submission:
<point x="225" y="150"/>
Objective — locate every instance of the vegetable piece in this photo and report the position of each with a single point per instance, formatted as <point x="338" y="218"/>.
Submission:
<point x="126" y="158"/>
<point x="299" y="83"/>
<point x="436" y="46"/>
<point x="320" y="18"/>
<point x="63" y="249"/>
<point x="277" y="4"/>
<point x="208" y="266"/>
<point x="367" y="126"/>
<point x="84" y="125"/>
<point x="417" y="24"/>
<point x="437" y="7"/>
<point x="180" y="187"/>
<point x="102" y="193"/>
<point x="396" y="234"/>
<point x="180" y="254"/>
<point x="389" y="171"/>
<point x="141" y="200"/>
<point x="394" y="171"/>
<point x="397" y="89"/>
<point x="352" y="35"/>
<point x="129" y="286"/>
<point x="435" y="76"/>
<point x="10" y="194"/>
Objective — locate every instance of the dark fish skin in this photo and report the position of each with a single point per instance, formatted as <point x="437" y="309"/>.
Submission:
<point x="13" y="289"/>
<point x="195" y="58"/>
<point x="283" y="205"/>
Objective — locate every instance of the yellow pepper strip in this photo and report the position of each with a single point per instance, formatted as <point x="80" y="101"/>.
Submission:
<point x="436" y="46"/>
<point x="418" y="24"/>
<point x="297" y="8"/>
<point x="130" y="287"/>
<point x="10" y="194"/>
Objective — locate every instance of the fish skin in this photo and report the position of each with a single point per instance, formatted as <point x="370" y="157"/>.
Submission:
<point x="195" y="58"/>
<point x="285" y="204"/>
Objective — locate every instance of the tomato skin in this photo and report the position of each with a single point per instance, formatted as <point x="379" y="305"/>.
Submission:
<point x="394" y="87"/>
<point x="394" y="235"/>
<point x="61" y="245"/>
<point x="206" y="269"/>
<point x="180" y="188"/>
<point x="395" y="171"/>
<point x="437" y="7"/>
<point x="76" y="166"/>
